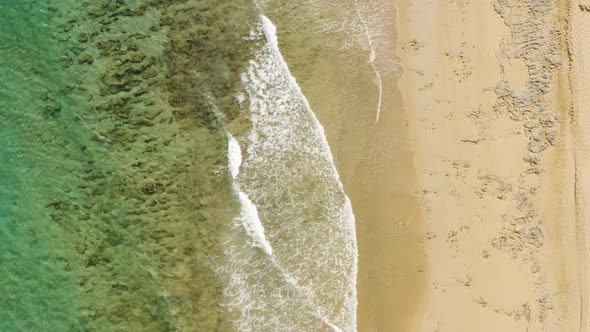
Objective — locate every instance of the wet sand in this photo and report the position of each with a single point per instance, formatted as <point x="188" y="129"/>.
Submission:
<point x="392" y="271"/>
<point x="374" y="160"/>
<point x="375" y="163"/>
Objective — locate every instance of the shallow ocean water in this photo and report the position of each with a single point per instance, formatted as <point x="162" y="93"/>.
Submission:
<point x="36" y="292"/>
<point x="120" y="209"/>
<point x="113" y="187"/>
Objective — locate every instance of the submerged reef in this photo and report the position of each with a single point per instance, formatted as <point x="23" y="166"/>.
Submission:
<point x="129" y="159"/>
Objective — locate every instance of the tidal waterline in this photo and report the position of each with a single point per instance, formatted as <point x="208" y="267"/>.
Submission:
<point x="334" y="50"/>
<point x="119" y="208"/>
<point x="303" y="278"/>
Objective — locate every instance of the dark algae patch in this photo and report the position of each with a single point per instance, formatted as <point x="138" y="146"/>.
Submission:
<point x="113" y="161"/>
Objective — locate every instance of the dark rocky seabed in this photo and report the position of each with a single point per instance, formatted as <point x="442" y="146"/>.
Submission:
<point x="114" y="184"/>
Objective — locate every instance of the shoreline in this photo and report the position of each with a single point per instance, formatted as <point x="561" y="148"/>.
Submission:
<point x="391" y="269"/>
<point x="341" y="87"/>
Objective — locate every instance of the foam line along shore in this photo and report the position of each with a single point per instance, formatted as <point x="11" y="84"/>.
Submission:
<point x="333" y="50"/>
<point x="307" y="218"/>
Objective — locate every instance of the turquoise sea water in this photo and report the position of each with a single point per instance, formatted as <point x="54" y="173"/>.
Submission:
<point x="109" y="204"/>
<point x="37" y="293"/>
<point x="118" y="208"/>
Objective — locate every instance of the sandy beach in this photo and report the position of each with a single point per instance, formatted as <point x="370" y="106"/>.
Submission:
<point x="579" y="51"/>
<point x="498" y="160"/>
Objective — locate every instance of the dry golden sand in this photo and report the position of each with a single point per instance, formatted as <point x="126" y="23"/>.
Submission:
<point x="579" y="71"/>
<point x="490" y="124"/>
<point x="375" y="162"/>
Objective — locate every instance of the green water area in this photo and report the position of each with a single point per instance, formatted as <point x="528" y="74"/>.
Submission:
<point x="114" y="184"/>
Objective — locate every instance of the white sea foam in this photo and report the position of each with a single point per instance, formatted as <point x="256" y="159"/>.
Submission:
<point x="234" y="156"/>
<point x="372" y="55"/>
<point x="240" y="98"/>
<point x="248" y="218"/>
<point x="251" y="222"/>
<point x="307" y="280"/>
